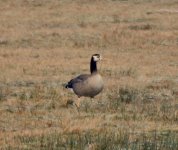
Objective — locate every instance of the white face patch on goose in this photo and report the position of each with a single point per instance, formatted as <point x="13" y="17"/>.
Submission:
<point x="96" y="57"/>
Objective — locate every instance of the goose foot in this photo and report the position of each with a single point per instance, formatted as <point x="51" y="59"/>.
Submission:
<point x="75" y="103"/>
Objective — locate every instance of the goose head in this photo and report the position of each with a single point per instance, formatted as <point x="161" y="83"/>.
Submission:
<point x="93" y="64"/>
<point x="96" y="57"/>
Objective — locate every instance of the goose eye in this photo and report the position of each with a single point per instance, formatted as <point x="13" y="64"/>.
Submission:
<point x="98" y="56"/>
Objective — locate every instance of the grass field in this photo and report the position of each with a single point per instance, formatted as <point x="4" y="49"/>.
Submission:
<point x="44" y="43"/>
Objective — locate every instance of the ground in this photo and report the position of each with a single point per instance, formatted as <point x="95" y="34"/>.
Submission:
<point x="45" y="43"/>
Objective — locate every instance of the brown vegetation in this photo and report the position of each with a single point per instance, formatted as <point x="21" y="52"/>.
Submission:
<point x="44" y="43"/>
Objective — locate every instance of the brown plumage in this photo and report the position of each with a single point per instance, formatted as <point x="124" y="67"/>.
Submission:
<point x="88" y="85"/>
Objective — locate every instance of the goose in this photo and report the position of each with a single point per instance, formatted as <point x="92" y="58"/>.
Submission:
<point x="87" y="85"/>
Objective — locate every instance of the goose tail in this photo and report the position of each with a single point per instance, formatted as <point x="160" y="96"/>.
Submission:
<point x="68" y="85"/>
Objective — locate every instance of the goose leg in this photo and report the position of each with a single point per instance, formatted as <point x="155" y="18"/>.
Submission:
<point x="77" y="102"/>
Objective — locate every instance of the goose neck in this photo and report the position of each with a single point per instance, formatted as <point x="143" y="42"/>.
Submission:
<point x="93" y="66"/>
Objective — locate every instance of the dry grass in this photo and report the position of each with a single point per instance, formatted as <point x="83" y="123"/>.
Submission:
<point x="45" y="43"/>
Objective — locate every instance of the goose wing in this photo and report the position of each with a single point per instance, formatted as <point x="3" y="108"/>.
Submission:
<point x="78" y="79"/>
